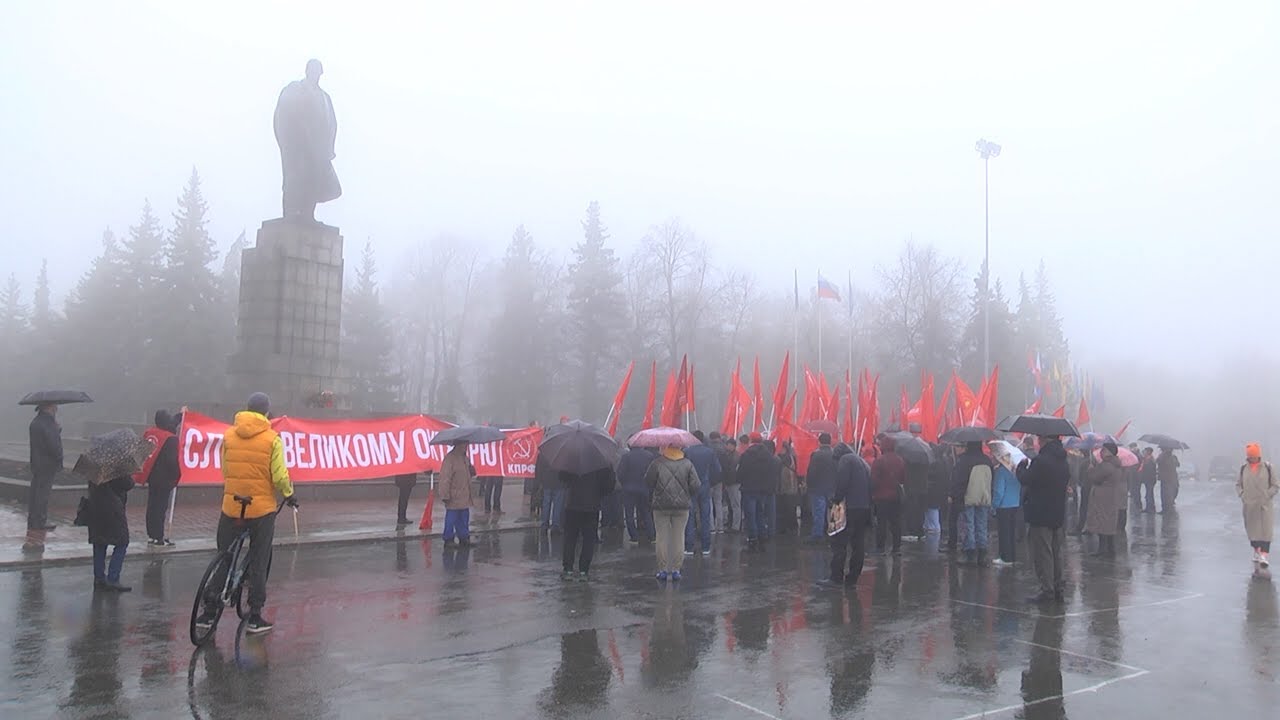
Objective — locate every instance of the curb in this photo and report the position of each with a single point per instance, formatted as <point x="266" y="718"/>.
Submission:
<point x="286" y="541"/>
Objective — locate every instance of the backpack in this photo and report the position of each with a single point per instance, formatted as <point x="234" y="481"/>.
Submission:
<point x="978" y="493"/>
<point x="1245" y="466"/>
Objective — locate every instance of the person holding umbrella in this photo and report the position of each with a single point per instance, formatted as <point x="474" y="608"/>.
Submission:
<point x="46" y="461"/>
<point x="1006" y="497"/>
<point x="1104" y="501"/>
<point x="1167" y="470"/>
<point x="109" y="465"/>
<point x="456" y="494"/>
<point x="583" y="455"/>
<point x="673" y="483"/>
<point x="1257" y="487"/>
<point x="1147" y="477"/>
<point x="1045" y="481"/>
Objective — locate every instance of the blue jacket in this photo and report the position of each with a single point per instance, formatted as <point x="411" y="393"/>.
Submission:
<point x="705" y="463"/>
<point x="1006" y="491"/>
<point x="632" y="468"/>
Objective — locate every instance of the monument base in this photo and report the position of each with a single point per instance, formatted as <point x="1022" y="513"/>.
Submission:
<point x="289" y="325"/>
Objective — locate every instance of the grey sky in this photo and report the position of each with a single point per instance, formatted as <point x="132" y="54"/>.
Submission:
<point x="1140" y="139"/>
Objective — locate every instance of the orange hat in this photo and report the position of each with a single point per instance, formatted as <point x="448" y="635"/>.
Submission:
<point x="1253" y="450"/>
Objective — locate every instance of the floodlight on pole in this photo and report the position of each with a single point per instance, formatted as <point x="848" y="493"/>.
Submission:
<point x="986" y="150"/>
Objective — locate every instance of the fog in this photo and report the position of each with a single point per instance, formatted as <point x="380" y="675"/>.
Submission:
<point x="1140" y="149"/>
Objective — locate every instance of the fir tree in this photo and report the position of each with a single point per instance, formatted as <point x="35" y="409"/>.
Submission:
<point x="368" y="342"/>
<point x="596" y="317"/>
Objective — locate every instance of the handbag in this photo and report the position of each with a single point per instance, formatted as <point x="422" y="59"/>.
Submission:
<point x="836" y="519"/>
<point x="82" y="513"/>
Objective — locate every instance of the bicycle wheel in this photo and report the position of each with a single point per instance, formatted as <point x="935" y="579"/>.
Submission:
<point x="241" y="611"/>
<point x="218" y="566"/>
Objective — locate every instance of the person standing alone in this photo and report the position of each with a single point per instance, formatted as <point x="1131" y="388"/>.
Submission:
<point x="161" y="474"/>
<point x="1257" y="487"/>
<point x="455" y="493"/>
<point x="46" y="461"/>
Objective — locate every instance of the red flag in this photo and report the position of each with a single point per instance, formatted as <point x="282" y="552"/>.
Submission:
<point x="928" y="420"/>
<point x="966" y="400"/>
<point x="682" y="388"/>
<point x="1083" y="418"/>
<point x="615" y="411"/>
<point x="833" y="406"/>
<point x="780" y="390"/>
<point x="904" y="408"/>
<point x="987" y="400"/>
<point x="729" y="417"/>
<point x="653" y="390"/>
<point x="940" y="415"/>
<point x="873" y="425"/>
<point x="670" y="414"/>
<point x="1123" y="430"/>
<point x="1061" y="411"/>
<point x="757" y="416"/>
<point x="789" y="409"/>
<point x="802" y="441"/>
<point x="1035" y="407"/>
<point x="812" y="407"/>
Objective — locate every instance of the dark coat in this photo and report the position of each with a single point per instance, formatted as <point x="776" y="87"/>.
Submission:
<point x="888" y="474"/>
<point x="632" y="467"/>
<point x="1147" y="471"/>
<point x="939" y="480"/>
<point x="165" y="471"/>
<point x="759" y="471"/>
<point x="706" y="463"/>
<point x="968" y="460"/>
<point x="584" y="492"/>
<point x="1105" y="502"/>
<point x="107" y="521"/>
<point x="728" y="464"/>
<point x="853" y="482"/>
<point x="822" y="472"/>
<point x="1045" y="486"/>
<point x="46" y="446"/>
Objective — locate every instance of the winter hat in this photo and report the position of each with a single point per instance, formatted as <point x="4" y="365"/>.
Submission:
<point x="259" y="403"/>
<point x="1253" y="450"/>
<point x="756" y="438"/>
<point x="1111" y="448"/>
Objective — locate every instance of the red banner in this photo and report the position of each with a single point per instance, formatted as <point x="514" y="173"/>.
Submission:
<point x="328" y="450"/>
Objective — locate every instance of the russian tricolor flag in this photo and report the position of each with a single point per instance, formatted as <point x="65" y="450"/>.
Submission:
<point x="827" y="290"/>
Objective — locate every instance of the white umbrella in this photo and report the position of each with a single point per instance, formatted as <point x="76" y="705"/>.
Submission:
<point x="1002" y="449"/>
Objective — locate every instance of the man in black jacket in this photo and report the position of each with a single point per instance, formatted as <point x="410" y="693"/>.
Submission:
<point x="1044" y="483"/>
<point x="46" y="461"/>
<point x="162" y="477"/>
<point x="758" y="471"/>
<point x="853" y="488"/>
<point x="822" y="485"/>
<point x="636" y="510"/>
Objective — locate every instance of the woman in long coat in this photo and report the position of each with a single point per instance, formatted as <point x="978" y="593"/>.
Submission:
<point x="1104" y="499"/>
<point x="109" y="526"/>
<point x="1257" y="487"/>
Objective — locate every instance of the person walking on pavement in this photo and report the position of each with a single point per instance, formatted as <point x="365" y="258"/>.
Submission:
<point x="853" y="488"/>
<point x="161" y="473"/>
<point x="252" y="466"/>
<point x="888" y="487"/>
<point x="1167" y="469"/>
<point x="46" y="460"/>
<point x="583" y="497"/>
<point x="757" y="469"/>
<point x="971" y="487"/>
<point x="1045" y="481"/>
<point x="707" y="465"/>
<point x="1104" y="499"/>
<point x="822" y="485"/>
<point x="672" y="483"/>
<point x="1006" y="497"/>
<point x="1147" y="475"/>
<point x="1257" y="487"/>
<point x="731" y="518"/>
<point x="633" y="466"/>
<point x="109" y="526"/>
<point x="456" y="494"/>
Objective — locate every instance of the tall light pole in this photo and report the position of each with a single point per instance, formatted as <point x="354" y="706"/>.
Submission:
<point x="986" y="150"/>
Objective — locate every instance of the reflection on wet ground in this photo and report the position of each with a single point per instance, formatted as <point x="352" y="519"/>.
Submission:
<point x="397" y="630"/>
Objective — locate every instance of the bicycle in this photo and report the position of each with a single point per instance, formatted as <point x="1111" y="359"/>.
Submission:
<point x="233" y="563"/>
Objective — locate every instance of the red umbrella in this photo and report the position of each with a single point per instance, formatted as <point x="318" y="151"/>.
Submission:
<point x="660" y="437"/>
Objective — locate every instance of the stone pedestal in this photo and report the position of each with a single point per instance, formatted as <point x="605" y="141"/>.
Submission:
<point x="288" y="328"/>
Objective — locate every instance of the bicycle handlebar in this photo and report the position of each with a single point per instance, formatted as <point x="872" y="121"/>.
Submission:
<point x="246" y="501"/>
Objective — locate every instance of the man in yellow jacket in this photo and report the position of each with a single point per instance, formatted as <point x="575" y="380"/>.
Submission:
<point x="253" y="468"/>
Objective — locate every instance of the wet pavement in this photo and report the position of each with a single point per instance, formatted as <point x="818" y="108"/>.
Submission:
<point x="1176" y="627"/>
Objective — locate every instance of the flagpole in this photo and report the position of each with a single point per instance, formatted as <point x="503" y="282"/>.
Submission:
<point x="817" y="304"/>
<point x="795" y="330"/>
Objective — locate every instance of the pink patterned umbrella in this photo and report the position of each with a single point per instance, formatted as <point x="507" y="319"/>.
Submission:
<point x="661" y="437"/>
<point x="1127" y="458"/>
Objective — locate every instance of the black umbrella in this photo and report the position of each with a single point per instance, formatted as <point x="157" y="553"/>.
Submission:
<point x="1042" y="425"/>
<point x="1164" y="442"/>
<point x="578" y="447"/>
<point x="110" y="455"/>
<point x="912" y="449"/>
<point x="55" y="397"/>
<point x="968" y="434"/>
<point x="474" y="434"/>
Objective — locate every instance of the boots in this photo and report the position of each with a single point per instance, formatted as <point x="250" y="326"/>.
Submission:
<point x="982" y="557"/>
<point x="35" y="541"/>
<point x="969" y="557"/>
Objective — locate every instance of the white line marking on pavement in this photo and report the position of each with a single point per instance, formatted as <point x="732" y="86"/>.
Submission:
<point x="1130" y="607"/>
<point x="1086" y="657"/>
<point x="1005" y="609"/>
<point x="745" y="706"/>
<point x="1090" y="689"/>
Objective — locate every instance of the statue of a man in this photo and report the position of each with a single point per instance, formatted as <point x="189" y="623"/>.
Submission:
<point x="306" y="128"/>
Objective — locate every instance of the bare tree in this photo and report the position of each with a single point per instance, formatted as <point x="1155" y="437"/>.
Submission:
<point x="919" y="312"/>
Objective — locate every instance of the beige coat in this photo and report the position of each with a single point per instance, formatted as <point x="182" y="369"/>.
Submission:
<point x="455" y="480"/>
<point x="1104" y="507"/>
<point x="1257" y="488"/>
